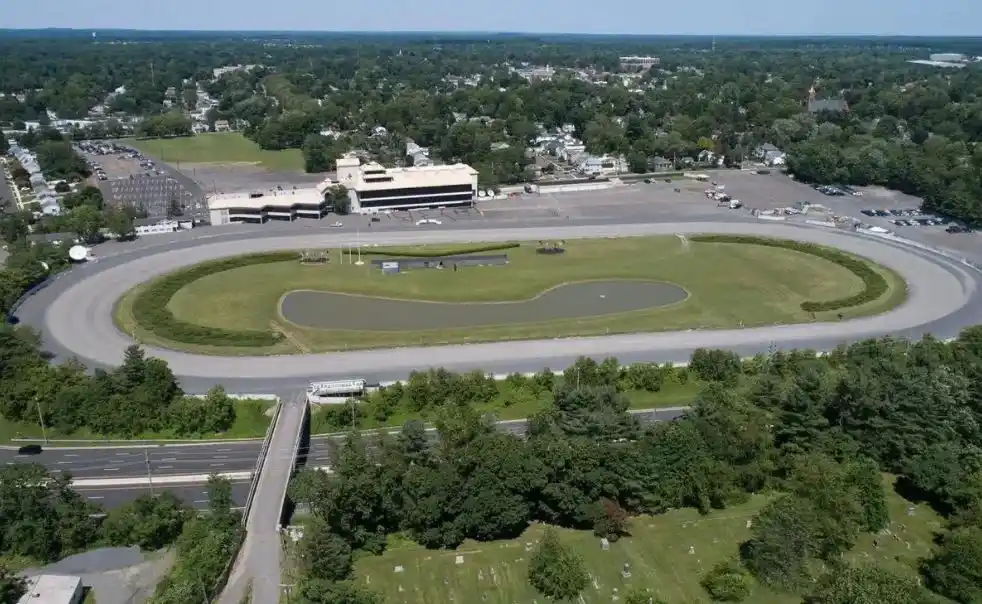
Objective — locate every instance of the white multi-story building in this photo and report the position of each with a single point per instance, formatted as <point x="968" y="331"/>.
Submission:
<point x="371" y="188"/>
<point x="634" y="62"/>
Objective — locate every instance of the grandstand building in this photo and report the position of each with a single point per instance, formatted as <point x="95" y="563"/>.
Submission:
<point x="371" y="188"/>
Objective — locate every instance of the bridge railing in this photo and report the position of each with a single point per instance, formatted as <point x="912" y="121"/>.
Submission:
<point x="257" y="470"/>
<point x="296" y="451"/>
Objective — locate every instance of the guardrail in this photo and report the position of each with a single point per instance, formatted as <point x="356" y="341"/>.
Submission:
<point x="296" y="450"/>
<point x="263" y="450"/>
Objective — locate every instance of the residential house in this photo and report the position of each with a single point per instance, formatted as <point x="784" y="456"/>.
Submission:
<point x="770" y="155"/>
<point x="660" y="164"/>
<point x="602" y="165"/>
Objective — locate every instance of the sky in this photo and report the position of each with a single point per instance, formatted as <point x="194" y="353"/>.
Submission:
<point x="717" y="17"/>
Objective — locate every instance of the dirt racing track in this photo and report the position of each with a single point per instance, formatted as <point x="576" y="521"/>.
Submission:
<point x="76" y="314"/>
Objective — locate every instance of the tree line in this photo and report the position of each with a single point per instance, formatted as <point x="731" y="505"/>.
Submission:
<point x="140" y="396"/>
<point x="815" y="433"/>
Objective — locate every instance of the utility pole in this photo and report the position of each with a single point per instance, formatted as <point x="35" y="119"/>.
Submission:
<point x="44" y="432"/>
<point x="146" y="457"/>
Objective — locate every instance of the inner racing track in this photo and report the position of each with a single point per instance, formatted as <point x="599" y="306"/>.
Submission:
<point x="76" y="313"/>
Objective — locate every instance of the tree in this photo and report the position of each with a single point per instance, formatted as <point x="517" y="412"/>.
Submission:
<point x="555" y="571"/>
<point x="324" y="554"/>
<point x="337" y="199"/>
<point x="85" y="221"/>
<point x="319" y="591"/>
<point x="867" y="585"/>
<point x="4" y="145"/>
<point x="150" y="522"/>
<point x="610" y="520"/>
<point x="641" y="596"/>
<point x="12" y="587"/>
<point x="782" y="543"/>
<point x="120" y="223"/>
<point x="955" y="570"/>
<point x="727" y="582"/>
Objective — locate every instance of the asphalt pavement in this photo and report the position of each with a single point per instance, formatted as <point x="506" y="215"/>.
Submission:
<point x="195" y="495"/>
<point x="130" y="461"/>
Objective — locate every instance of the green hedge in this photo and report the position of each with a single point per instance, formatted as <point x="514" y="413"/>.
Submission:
<point x="875" y="284"/>
<point x="151" y="312"/>
<point x="423" y="253"/>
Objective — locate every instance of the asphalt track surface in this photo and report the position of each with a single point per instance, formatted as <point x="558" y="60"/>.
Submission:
<point x="75" y="313"/>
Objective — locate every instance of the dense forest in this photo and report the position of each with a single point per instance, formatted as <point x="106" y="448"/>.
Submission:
<point x="909" y="127"/>
<point x="815" y="432"/>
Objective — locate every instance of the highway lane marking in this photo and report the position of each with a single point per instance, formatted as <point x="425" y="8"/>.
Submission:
<point x="111" y="469"/>
<point x="71" y="454"/>
<point x="165" y="467"/>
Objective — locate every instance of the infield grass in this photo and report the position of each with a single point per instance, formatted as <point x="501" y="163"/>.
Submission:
<point x="219" y="148"/>
<point x="729" y="285"/>
<point x="657" y="551"/>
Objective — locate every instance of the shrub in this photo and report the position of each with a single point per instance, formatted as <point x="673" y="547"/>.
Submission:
<point x="424" y="253"/>
<point x="875" y="284"/>
<point x="151" y="312"/>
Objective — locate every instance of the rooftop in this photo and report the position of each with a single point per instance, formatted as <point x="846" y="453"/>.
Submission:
<point x="228" y="201"/>
<point x="51" y="589"/>
<point x="418" y="176"/>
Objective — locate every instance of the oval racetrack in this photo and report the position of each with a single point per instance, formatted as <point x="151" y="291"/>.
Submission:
<point x="78" y="316"/>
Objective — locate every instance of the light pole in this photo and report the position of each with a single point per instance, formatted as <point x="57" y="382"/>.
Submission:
<point x="44" y="432"/>
<point x="146" y="457"/>
<point x="358" y="243"/>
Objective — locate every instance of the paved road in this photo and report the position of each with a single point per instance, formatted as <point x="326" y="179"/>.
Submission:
<point x="131" y="461"/>
<point x="206" y="458"/>
<point x="76" y="312"/>
<point x="193" y="494"/>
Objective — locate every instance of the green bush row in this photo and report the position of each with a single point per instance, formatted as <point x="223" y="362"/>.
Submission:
<point x="875" y="284"/>
<point x="151" y="312"/>
<point x="423" y="253"/>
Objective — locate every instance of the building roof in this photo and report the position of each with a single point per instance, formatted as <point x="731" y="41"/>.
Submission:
<point x="51" y="589"/>
<point x="418" y="176"/>
<point x="283" y="199"/>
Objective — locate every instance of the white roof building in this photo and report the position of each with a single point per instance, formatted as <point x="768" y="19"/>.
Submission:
<point x="371" y="188"/>
<point x="53" y="589"/>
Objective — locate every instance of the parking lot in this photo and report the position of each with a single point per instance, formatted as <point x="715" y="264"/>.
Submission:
<point x="130" y="179"/>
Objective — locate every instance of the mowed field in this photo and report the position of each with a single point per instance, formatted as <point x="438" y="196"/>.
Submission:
<point x="658" y="552"/>
<point x="219" y="148"/>
<point x="728" y="285"/>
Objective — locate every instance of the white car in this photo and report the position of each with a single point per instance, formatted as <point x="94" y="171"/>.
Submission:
<point x="428" y="221"/>
<point x="337" y="225"/>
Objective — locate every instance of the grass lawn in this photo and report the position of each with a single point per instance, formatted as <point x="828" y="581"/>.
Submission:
<point x="219" y="148"/>
<point x="657" y="551"/>
<point x="505" y="406"/>
<point x="729" y="285"/>
<point x="251" y="421"/>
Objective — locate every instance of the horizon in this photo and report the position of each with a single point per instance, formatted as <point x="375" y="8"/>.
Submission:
<point x="465" y="32"/>
<point x="859" y="18"/>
